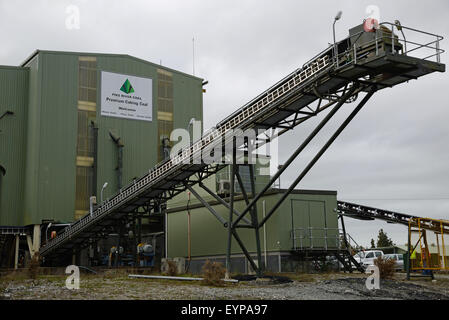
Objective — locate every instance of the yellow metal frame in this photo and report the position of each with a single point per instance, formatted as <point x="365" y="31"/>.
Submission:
<point x="422" y="226"/>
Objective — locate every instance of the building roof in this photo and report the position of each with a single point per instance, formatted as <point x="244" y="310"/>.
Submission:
<point x="300" y="191"/>
<point x="37" y="51"/>
<point x="176" y="207"/>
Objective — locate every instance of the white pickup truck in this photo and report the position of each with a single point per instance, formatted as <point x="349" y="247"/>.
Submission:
<point x="366" y="258"/>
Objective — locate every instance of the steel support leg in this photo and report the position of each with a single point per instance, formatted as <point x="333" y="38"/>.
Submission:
<point x="409" y="244"/>
<point x="16" y="252"/>
<point x="255" y="221"/>
<point x="253" y="212"/>
<point x="134" y="227"/>
<point x="139" y="223"/>
<point x="231" y="209"/>
<point x="245" y="252"/>
<point x="117" y="254"/>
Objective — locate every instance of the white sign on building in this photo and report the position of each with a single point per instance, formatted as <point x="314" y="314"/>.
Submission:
<point x="125" y="96"/>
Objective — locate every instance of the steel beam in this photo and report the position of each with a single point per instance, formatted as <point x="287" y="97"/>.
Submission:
<point x="298" y="151"/>
<point x="207" y="205"/>
<point x="245" y="252"/>
<point x="209" y="191"/>
<point x="231" y="208"/>
<point x="372" y="90"/>
<point x="255" y="221"/>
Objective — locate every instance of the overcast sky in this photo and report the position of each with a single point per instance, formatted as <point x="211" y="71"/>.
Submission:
<point x="394" y="155"/>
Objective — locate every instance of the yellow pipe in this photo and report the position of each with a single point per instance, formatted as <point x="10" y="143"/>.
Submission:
<point x="444" y="248"/>
<point x="420" y="242"/>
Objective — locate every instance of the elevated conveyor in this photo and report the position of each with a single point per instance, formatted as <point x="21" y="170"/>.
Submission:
<point x="366" y="213"/>
<point x="355" y="66"/>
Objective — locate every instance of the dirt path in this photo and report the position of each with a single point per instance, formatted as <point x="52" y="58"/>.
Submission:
<point x="303" y="287"/>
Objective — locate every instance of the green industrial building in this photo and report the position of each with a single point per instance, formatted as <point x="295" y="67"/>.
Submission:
<point x="77" y="125"/>
<point x="305" y="221"/>
<point x="57" y="149"/>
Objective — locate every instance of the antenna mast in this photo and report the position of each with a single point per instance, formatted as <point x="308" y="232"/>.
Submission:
<point x="193" y="54"/>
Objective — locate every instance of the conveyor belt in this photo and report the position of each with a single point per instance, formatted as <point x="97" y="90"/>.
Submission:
<point x="319" y="79"/>
<point x="361" y="212"/>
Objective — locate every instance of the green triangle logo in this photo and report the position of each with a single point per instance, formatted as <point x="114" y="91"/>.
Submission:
<point x="127" y="87"/>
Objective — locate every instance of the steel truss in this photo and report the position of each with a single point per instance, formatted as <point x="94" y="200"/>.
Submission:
<point x="285" y="105"/>
<point x="251" y="206"/>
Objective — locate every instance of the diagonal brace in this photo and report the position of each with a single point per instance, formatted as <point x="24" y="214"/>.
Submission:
<point x="209" y="191"/>
<point x="319" y="154"/>
<point x="208" y="206"/>
<point x="299" y="150"/>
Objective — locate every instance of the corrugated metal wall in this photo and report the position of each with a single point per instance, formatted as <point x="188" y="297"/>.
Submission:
<point x="13" y="97"/>
<point x="32" y="143"/>
<point x="209" y="237"/>
<point x="50" y="142"/>
<point x="57" y="138"/>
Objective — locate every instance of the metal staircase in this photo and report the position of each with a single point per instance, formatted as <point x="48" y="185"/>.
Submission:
<point x="316" y="244"/>
<point x="332" y="77"/>
<point x="347" y="260"/>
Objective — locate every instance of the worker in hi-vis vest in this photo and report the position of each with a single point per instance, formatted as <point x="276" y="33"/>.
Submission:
<point x="413" y="256"/>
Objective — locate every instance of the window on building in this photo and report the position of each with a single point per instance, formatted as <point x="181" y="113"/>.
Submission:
<point x="164" y="112"/>
<point x="85" y="153"/>
<point x="87" y="79"/>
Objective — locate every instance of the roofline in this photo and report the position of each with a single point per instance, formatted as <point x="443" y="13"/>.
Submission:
<point x="270" y="192"/>
<point x="313" y="192"/>
<point x="37" y="51"/>
<point x="14" y="67"/>
<point x="29" y="58"/>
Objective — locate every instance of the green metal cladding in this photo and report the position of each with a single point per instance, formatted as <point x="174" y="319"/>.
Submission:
<point x="13" y="98"/>
<point x="38" y="143"/>
<point x="302" y="209"/>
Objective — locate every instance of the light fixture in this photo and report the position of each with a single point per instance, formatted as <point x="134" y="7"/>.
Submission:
<point x="337" y="17"/>
<point x="102" y="189"/>
<point x="46" y="232"/>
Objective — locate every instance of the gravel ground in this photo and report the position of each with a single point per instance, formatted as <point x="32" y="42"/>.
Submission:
<point x="303" y="287"/>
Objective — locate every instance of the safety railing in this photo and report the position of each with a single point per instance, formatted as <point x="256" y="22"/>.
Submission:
<point x="427" y="42"/>
<point x="352" y="244"/>
<point x="13" y="230"/>
<point x="316" y="238"/>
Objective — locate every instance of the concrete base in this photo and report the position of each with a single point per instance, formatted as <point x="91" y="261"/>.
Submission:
<point x="275" y="262"/>
<point x="179" y="262"/>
